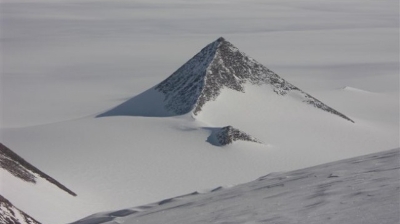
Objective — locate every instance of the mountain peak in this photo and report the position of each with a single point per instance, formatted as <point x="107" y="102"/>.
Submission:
<point x="221" y="39"/>
<point x="217" y="66"/>
<point x="220" y="65"/>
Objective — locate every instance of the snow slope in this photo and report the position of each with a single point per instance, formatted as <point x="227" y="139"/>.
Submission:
<point x="65" y="62"/>
<point x="363" y="189"/>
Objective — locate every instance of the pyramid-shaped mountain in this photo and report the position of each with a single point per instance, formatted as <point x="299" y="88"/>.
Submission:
<point x="217" y="66"/>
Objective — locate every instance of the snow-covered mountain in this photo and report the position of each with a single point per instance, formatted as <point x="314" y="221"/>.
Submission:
<point x="67" y="62"/>
<point x="217" y="66"/>
<point x="359" y="190"/>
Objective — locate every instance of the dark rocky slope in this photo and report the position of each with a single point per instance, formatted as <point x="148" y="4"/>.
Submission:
<point x="221" y="65"/>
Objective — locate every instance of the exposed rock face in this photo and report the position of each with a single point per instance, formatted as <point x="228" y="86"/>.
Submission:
<point x="228" y="135"/>
<point x="221" y="65"/>
<point x="185" y="87"/>
<point x="12" y="215"/>
<point x="20" y="168"/>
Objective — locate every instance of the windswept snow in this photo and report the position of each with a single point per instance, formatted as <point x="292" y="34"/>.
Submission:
<point x="360" y="190"/>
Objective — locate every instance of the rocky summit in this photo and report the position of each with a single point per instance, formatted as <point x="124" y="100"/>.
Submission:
<point x="221" y="65"/>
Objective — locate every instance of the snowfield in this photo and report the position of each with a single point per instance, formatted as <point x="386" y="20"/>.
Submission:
<point x="363" y="190"/>
<point x="67" y="64"/>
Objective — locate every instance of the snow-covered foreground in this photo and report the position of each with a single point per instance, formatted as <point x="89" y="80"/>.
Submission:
<point x="358" y="190"/>
<point x="66" y="62"/>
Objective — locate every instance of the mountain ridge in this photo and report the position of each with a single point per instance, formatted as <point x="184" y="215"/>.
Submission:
<point x="200" y="80"/>
<point x="20" y="168"/>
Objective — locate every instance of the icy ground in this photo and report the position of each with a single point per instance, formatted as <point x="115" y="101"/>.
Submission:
<point x="363" y="190"/>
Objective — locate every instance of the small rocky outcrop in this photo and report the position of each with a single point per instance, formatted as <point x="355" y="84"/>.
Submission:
<point x="227" y="135"/>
